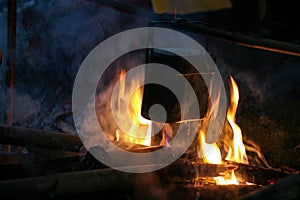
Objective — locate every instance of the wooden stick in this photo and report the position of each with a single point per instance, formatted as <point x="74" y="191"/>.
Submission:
<point x="183" y="170"/>
<point x="258" y="175"/>
<point x="67" y="183"/>
<point x="9" y="158"/>
<point x="21" y="136"/>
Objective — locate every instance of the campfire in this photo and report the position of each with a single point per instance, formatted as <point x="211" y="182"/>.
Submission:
<point x="43" y="153"/>
<point x="230" y="167"/>
<point x="220" y="159"/>
<point x="206" y="169"/>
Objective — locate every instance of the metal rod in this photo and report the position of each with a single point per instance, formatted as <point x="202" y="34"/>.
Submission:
<point x="232" y="37"/>
<point x="241" y="39"/>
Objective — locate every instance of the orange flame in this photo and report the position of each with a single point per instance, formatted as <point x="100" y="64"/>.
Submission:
<point x="237" y="152"/>
<point x="210" y="153"/>
<point x="136" y="134"/>
<point x="167" y="135"/>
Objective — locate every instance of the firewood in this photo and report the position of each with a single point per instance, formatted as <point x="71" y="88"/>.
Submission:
<point x="216" y="192"/>
<point x="259" y="175"/>
<point x="67" y="183"/>
<point x="183" y="170"/>
<point x="8" y="158"/>
<point x="21" y="136"/>
<point x="37" y="162"/>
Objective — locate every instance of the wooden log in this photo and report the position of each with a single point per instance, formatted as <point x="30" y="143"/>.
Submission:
<point x="137" y="148"/>
<point x="216" y="192"/>
<point x="259" y="175"/>
<point x="70" y="183"/>
<point x="184" y="170"/>
<point x="99" y="182"/>
<point x="9" y="158"/>
<point x="21" y="136"/>
<point x="39" y="155"/>
<point x="37" y="163"/>
<point x="287" y="188"/>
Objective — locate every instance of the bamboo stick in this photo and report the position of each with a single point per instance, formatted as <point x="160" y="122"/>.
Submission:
<point x="11" y="59"/>
<point x="70" y="183"/>
<point x="21" y="136"/>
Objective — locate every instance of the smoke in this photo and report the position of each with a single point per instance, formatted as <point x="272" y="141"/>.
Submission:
<point x="53" y="38"/>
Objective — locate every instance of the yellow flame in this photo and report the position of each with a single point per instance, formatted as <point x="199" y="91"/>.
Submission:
<point x="230" y="180"/>
<point x="136" y="134"/>
<point x="237" y="152"/>
<point x="139" y="120"/>
<point x="210" y="153"/>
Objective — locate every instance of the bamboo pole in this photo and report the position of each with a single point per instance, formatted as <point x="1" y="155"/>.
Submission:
<point x="69" y="183"/>
<point x="11" y="59"/>
<point x="21" y="136"/>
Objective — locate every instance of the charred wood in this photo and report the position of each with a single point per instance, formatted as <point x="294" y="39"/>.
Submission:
<point x="260" y="175"/>
<point x="184" y="170"/>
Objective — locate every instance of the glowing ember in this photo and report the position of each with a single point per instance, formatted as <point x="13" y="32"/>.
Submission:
<point x="210" y="153"/>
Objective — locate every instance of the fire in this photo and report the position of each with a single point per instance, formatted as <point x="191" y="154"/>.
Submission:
<point x="140" y="130"/>
<point x="210" y="153"/>
<point x="237" y="152"/>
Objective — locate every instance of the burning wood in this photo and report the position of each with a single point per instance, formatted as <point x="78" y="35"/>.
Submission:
<point x="184" y="170"/>
<point x="138" y="128"/>
<point x="211" y="161"/>
<point x="211" y="153"/>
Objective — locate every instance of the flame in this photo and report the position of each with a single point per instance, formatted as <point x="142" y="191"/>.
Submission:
<point x="136" y="134"/>
<point x="139" y="121"/>
<point x="229" y="180"/>
<point x="210" y="153"/>
<point x="167" y="135"/>
<point x="237" y="152"/>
